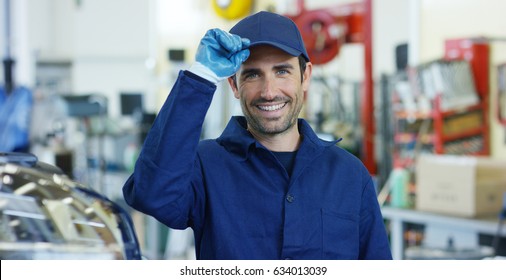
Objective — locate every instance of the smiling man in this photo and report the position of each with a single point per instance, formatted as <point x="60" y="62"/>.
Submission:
<point x="268" y="187"/>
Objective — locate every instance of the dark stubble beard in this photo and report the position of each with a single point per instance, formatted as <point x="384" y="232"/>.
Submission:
<point x="257" y="125"/>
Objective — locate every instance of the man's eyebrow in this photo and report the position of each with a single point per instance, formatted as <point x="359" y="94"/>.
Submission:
<point x="283" y="66"/>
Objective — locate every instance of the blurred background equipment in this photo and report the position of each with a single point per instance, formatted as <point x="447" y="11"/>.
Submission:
<point x="15" y="115"/>
<point x="501" y="94"/>
<point x="324" y="31"/>
<point x="15" y="101"/>
<point x="45" y="215"/>
<point x="232" y="9"/>
<point x="91" y="111"/>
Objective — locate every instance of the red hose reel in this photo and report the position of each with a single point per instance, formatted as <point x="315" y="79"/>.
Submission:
<point x="324" y="31"/>
<point x="322" y="35"/>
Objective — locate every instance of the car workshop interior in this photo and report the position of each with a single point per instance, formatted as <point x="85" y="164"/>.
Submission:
<point x="416" y="89"/>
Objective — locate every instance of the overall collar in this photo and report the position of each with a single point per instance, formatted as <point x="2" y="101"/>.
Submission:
<point x="238" y="140"/>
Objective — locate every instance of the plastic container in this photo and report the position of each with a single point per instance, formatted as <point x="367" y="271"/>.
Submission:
<point x="399" y="182"/>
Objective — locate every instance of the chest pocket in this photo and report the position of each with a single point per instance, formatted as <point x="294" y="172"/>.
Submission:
<point x="340" y="235"/>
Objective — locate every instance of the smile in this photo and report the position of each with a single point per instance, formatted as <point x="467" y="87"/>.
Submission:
<point x="271" y="107"/>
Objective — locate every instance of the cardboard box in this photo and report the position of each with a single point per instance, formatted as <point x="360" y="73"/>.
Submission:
<point x="465" y="186"/>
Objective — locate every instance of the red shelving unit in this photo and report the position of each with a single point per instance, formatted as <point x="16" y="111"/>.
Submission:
<point x="463" y="130"/>
<point x="477" y="131"/>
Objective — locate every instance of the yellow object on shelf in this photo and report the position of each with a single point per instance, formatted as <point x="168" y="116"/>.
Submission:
<point x="232" y="9"/>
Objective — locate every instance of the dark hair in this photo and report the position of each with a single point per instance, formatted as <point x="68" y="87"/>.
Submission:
<point x="302" y="66"/>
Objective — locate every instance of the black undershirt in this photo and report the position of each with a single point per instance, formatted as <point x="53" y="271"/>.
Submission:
<point x="287" y="159"/>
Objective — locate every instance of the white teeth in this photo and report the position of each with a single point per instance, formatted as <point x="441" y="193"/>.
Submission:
<point x="272" y="107"/>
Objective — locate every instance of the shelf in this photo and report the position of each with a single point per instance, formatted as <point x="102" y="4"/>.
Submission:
<point x="486" y="225"/>
<point x="463" y="135"/>
<point x="398" y="217"/>
<point x="413" y="115"/>
<point x="419" y="115"/>
<point x="406" y="138"/>
<point x="464" y="132"/>
<point x="476" y="107"/>
<point x="457" y="132"/>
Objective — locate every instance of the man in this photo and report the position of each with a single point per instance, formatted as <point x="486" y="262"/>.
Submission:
<point x="267" y="188"/>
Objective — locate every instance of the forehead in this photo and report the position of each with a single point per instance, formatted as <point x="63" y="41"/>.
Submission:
<point x="266" y="53"/>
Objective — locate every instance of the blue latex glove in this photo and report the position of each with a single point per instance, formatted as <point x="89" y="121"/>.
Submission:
<point x="219" y="55"/>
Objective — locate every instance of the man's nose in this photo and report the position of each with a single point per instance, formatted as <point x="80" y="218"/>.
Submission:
<point x="268" y="89"/>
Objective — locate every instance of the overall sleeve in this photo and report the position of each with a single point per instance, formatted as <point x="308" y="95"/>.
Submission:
<point x="374" y="244"/>
<point x="166" y="182"/>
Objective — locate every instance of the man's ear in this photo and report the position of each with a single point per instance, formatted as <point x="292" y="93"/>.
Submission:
<point x="232" y="81"/>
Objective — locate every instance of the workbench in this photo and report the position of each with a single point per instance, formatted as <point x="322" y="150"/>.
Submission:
<point x="438" y="229"/>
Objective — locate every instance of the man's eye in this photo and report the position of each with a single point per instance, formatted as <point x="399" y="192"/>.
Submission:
<point x="283" y="71"/>
<point x="250" y="76"/>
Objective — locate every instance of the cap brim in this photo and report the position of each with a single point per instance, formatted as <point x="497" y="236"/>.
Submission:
<point x="284" y="48"/>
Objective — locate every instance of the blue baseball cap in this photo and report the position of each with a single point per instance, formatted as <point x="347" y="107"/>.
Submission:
<point x="266" y="28"/>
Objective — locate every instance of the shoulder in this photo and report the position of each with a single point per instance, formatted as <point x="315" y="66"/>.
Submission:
<point x="338" y="151"/>
<point x="345" y="160"/>
<point x="207" y="144"/>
